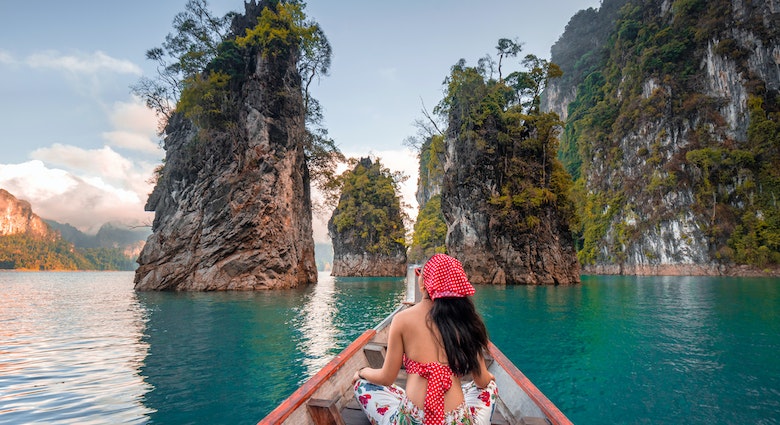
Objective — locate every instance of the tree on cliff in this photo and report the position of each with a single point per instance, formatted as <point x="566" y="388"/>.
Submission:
<point x="205" y="60"/>
<point x="232" y="202"/>
<point x="503" y="119"/>
<point x="505" y="196"/>
<point x="368" y="221"/>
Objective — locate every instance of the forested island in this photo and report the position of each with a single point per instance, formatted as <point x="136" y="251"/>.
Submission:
<point x="367" y="225"/>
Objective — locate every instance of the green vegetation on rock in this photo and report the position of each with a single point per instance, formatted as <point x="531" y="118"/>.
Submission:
<point x="430" y="232"/>
<point x="646" y="78"/>
<point x="515" y="144"/>
<point x="368" y="216"/>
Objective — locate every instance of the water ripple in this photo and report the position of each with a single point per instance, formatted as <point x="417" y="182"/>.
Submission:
<point x="76" y="361"/>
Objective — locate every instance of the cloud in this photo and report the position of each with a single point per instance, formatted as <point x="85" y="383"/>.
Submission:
<point x="82" y="64"/>
<point x="6" y="57"/>
<point x="92" y="162"/>
<point x="35" y="180"/>
<point x="85" y="188"/>
<point x="136" y="128"/>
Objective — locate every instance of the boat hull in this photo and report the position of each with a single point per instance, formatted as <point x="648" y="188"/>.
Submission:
<point x="327" y="397"/>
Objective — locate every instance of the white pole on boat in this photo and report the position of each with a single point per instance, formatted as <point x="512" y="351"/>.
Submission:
<point x="413" y="294"/>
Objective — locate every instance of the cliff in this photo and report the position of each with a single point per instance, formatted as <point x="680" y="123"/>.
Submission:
<point x="504" y="196"/>
<point x="17" y="217"/>
<point x="672" y="129"/>
<point x="232" y="203"/>
<point x="366" y="226"/>
<point x="496" y="247"/>
<point x="28" y="242"/>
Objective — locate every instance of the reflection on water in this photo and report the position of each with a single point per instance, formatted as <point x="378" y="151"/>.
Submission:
<point x="317" y="330"/>
<point x="70" y="349"/>
<point x="218" y="357"/>
<point x="85" y="348"/>
<point x="231" y="357"/>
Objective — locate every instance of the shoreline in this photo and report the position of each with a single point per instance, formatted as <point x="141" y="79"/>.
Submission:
<point x="681" y="270"/>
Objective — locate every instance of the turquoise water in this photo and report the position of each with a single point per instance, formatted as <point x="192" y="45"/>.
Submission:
<point x="85" y="348"/>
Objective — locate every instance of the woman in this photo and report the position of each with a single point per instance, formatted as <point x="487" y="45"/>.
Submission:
<point x="438" y="340"/>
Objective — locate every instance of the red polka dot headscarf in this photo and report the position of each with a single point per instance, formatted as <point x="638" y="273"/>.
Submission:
<point x="443" y="276"/>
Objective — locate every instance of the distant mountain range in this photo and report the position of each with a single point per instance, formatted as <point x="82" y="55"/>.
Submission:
<point x="110" y="235"/>
<point x="29" y="242"/>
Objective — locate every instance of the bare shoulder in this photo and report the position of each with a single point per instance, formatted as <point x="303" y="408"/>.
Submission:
<point x="410" y="314"/>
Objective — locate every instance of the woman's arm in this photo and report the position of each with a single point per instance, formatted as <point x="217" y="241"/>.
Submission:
<point x="393" y="358"/>
<point x="483" y="377"/>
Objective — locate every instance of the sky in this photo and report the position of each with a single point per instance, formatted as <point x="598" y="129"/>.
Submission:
<point x="78" y="145"/>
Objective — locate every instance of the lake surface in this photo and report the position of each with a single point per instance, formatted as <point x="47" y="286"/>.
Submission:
<point x="85" y="348"/>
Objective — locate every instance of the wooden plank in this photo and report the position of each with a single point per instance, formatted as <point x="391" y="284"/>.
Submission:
<point x="324" y="412"/>
<point x="554" y="415"/>
<point x="305" y="391"/>
<point x="375" y="354"/>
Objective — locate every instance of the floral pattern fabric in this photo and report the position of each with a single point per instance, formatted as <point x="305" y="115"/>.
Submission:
<point x="389" y="405"/>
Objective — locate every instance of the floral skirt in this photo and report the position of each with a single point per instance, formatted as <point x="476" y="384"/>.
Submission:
<point x="389" y="405"/>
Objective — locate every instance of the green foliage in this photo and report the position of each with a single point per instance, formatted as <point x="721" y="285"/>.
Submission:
<point x="280" y="31"/>
<point x="185" y="53"/>
<point x="503" y="121"/>
<point x="596" y="212"/>
<point x="206" y="100"/>
<point x="369" y="210"/>
<point x="108" y="259"/>
<point x="229" y="61"/>
<point x="25" y="252"/>
<point x="530" y="83"/>
<point x="756" y="238"/>
<point x="430" y="231"/>
<point x="431" y="154"/>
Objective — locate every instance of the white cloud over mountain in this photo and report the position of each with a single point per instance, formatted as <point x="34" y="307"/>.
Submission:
<point x="89" y="187"/>
<point x="85" y="201"/>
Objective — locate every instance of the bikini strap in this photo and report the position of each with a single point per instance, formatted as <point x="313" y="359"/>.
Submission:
<point x="439" y="378"/>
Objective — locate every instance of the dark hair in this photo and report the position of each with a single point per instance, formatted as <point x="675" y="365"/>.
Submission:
<point x="462" y="331"/>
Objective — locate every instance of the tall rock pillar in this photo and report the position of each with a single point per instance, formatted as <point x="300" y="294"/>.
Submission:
<point x="233" y="207"/>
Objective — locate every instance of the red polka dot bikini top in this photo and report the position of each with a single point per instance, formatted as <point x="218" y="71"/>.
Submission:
<point x="439" y="378"/>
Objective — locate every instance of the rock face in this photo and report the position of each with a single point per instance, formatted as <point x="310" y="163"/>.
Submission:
<point x="655" y="209"/>
<point x="240" y="219"/>
<point x="16" y="217"/>
<point x="587" y="31"/>
<point x="366" y="225"/>
<point x="365" y="264"/>
<point x="489" y="253"/>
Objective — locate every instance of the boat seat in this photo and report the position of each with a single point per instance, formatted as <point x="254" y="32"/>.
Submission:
<point x="325" y="412"/>
<point x="375" y="354"/>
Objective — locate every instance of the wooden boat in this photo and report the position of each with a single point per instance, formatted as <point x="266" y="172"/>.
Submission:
<point x="327" y="397"/>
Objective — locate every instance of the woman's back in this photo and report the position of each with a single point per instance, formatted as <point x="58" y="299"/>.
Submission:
<point x="438" y="340"/>
<point x="422" y="344"/>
